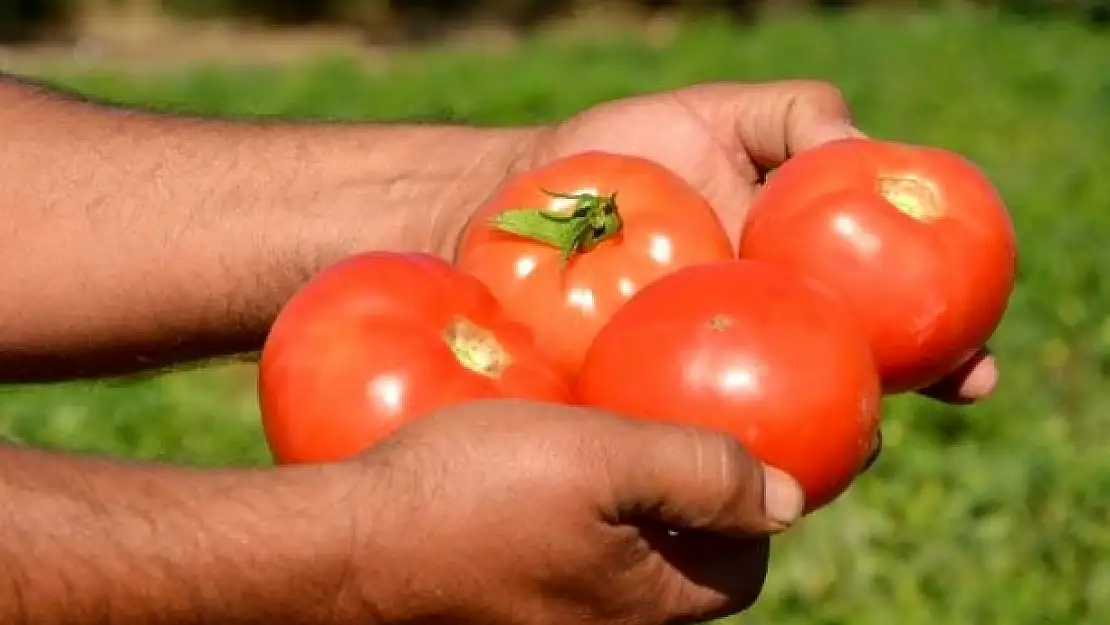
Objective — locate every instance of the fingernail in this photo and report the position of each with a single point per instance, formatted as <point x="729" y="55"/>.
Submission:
<point x="853" y="132"/>
<point x="980" y="382"/>
<point x="783" y="500"/>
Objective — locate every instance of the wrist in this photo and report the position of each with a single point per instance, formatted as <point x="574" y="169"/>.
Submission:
<point x="291" y="549"/>
<point x="343" y="535"/>
<point x="495" y="155"/>
<point x="414" y="187"/>
<point x="404" y="187"/>
<point x="277" y="546"/>
<point x="390" y="573"/>
<point x="200" y="546"/>
<point x="353" y="188"/>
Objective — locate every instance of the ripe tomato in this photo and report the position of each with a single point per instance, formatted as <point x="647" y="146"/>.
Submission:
<point x="379" y="339"/>
<point x="915" y="239"/>
<point x="771" y="359"/>
<point x="564" y="245"/>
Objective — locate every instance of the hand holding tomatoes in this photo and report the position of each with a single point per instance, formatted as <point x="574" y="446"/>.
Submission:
<point x="378" y="340"/>
<point x="891" y="264"/>
<point x="915" y="239"/>
<point x="561" y="512"/>
<point x="751" y="350"/>
<point x="564" y="245"/>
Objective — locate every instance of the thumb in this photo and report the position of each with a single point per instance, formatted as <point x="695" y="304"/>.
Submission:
<point x="783" y="118"/>
<point x="690" y="478"/>
<point x="775" y="120"/>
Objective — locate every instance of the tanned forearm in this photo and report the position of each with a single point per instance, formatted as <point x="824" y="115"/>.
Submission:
<point x="132" y="240"/>
<point x="87" y="541"/>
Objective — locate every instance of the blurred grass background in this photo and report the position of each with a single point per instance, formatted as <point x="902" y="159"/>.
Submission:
<point x="996" y="513"/>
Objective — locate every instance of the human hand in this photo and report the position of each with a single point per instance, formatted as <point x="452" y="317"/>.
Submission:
<point x="722" y="138"/>
<point x="512" y="512"/>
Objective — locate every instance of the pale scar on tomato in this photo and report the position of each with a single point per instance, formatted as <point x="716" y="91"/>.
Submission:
<point x="914" y="197"/>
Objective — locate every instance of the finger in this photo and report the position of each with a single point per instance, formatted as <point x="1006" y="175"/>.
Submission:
<point x="975" y="380"/>
<point x="690" y="478"/>
<point x="773" y="121"/>
<point x="720" y="575"/>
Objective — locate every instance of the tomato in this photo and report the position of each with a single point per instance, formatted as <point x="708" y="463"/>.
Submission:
<point x="379" y="339"/>
<point x="915" y="239"/>
<point x="772" y="360"/>
<point x="564" y="245"/>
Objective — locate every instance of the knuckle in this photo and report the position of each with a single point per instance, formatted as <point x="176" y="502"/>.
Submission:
<point x="736" y="466"/>
<point x="730" y="472"/>
<point x="741" y="474"/>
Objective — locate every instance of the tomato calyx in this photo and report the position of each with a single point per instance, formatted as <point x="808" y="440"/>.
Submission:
<point x="912" y="196"/>
<point x="476" y="348"/>
<point x="590" y="220"/>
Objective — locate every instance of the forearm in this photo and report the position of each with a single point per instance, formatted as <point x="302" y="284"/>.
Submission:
<point x="88" y="541"/>
<point x="133" y="240"/>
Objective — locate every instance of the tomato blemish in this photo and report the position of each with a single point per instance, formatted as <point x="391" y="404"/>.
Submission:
<point x="476" y="348"/>
<point x="913" y="197"/>
<point x="720" y="323"/>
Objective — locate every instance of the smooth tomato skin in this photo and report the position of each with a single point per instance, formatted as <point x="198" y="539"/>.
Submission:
<point x="929" y="292"/>
<point x="360" y="350"/>
<point x="771" y="359"/>
<point x="667" y="225"/>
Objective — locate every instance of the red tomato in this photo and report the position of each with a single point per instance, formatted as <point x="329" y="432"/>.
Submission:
<point x="770" y="359"/>
<point x="564" y="245"/>
<point x="379" y="339"/>
<point x="915" y="239"/>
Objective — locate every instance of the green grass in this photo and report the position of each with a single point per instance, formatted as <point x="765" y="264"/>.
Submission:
<point x="991" y="514"/>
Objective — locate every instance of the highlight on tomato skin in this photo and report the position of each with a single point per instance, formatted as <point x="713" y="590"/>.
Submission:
<point x="915" y="239"/>
<point x="380" y="339"/>
<point x="565" y="244"/>
<point x="749" y="349"/>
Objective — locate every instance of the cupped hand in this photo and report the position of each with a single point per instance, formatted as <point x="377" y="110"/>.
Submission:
<point x="506" y="512"/>
<point x="723" y="138"/>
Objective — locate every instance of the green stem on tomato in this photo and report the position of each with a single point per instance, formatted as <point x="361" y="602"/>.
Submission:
<point x="590" y="221"/>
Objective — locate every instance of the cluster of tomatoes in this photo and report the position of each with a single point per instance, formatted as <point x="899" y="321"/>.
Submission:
<point x="864" y="268"/>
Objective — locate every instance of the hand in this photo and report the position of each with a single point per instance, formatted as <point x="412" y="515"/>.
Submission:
<point x="722" y="138"/>
<point x="510" y="512"/>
